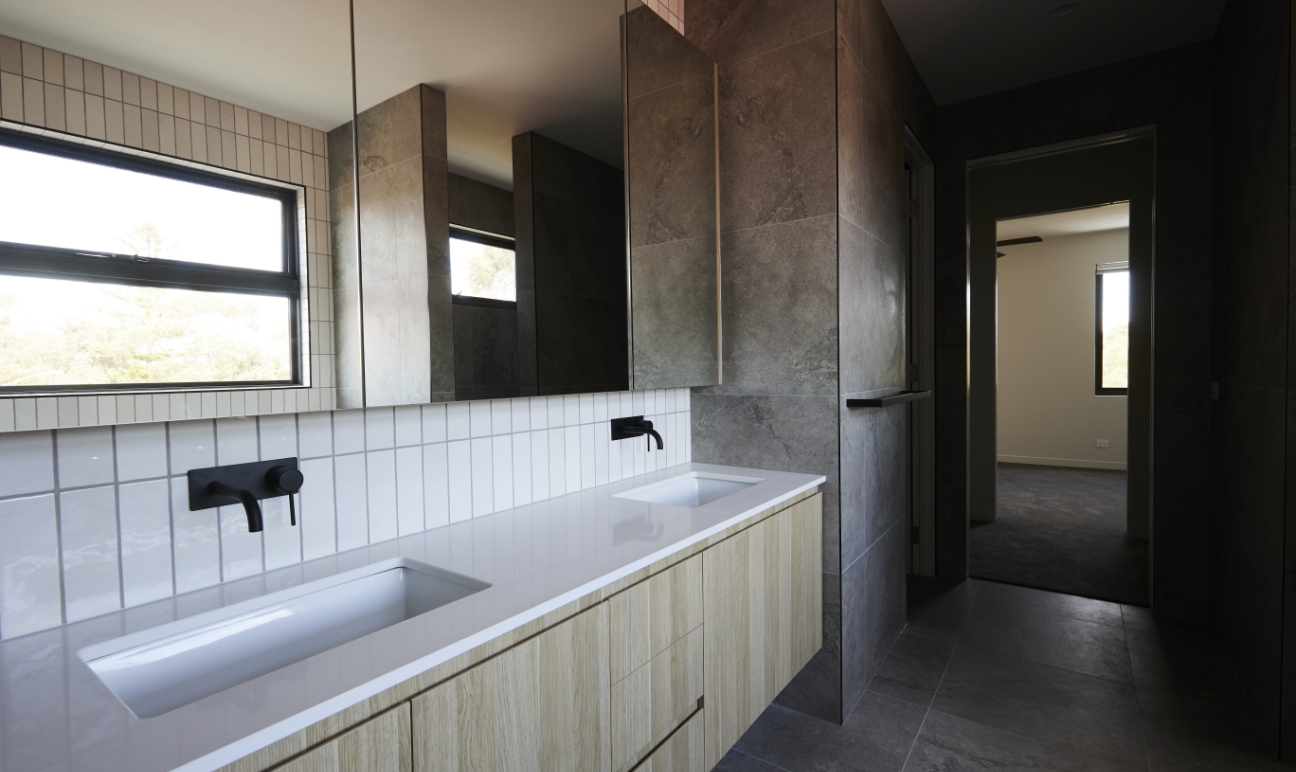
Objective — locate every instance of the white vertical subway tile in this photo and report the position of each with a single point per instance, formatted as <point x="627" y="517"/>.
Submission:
<point x="557" y="462"/>
<point x="628" y="450"/>
<point x="687" y="396"/>
<point x="107" y="410"/>
<point x="195" y="541"/>
<point x="659" y="401"/>
<point x="192" y="445"/>
<point x="615" y="469"/>
<point x="521" y="410"/>
<point x="457" y="421"/>
<point x="6" y="415"/>
<point x="539" y="407"/>
<point x="145" y="541"/>
<point x="380" y="428"/>
<point x="459" y="456"/>
<point x="522" y="469"/>
<point x="600" y="408"/>
<point x="556" y="415"/>
<point x="436" y="486"/>
<point x="25" y="416"/>
<point x="479" y="418"/>
<point x="588" y="457"/>
<point x="141" y="451"/>
<point x="282" y="541"/>
<point x="501" y="416"/>
<point x="586" y="408"/>
<point x="409" y="489"/>
<point x="539" y="465"/>
<point x="571" y="409"/>
<point x="409" y="426"/>
<point x="30" y="583"/>
<point x="317" y="518"/>
<point x="637" y="403"/>
<point x="348" y="431"/>
<point x="47" y="413"/>
<point x="434" y="423"/>
<point x="26" y="463"/>
<point x="240" y="548"/>
<point x="381" y="476"/>
<point x="278" y="436"/>
<point x="483" y="483"/>
<point x="87" y="411"/>
<point x="600" y="441"/>
<point x="88" y="525"/>
<point x="572" y="464"/>
<point x="352" y="502"/>
<point x="315" y="434"/>
<point x="236" y="441"/>
<point x="502" y="471"/>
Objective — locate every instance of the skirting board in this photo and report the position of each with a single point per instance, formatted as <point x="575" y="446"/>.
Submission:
<point x="1075" y="463"/>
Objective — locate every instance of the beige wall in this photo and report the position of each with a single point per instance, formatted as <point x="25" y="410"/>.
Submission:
<point x="1047" y="411"/>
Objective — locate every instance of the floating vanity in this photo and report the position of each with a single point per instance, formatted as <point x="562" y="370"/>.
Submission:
<point x="640" y="625"/>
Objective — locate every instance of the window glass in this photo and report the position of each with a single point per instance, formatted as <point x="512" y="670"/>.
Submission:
<point x="56" y="332"/>
<point x="1115" y="289"/>
<point x="53" y="201"/>
<point x="482" y="270"/>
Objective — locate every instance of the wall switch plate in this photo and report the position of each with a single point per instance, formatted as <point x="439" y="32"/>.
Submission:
<point x="1104" y="443"/>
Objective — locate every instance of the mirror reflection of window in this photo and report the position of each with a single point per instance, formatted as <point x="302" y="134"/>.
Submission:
<point x="482" y="266"/>
<point x="1113" y="328"/>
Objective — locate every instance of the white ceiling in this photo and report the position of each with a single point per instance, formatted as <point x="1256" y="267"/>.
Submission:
<point x="1073" y="223"/>
<point x="969" y="48"/>
<point x="507" y="66"/>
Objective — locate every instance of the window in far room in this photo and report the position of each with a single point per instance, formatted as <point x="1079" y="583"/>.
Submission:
<point x="1112" y="333"/>
<point x="483" y="267"/>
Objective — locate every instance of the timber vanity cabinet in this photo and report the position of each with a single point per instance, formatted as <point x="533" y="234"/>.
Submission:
<point x="658" y="674"/>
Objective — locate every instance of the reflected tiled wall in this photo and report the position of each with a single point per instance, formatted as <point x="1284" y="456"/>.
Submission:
<point x="43" y="88"/>
<point x="97" y="519"/>
<point x="670" y="10"/>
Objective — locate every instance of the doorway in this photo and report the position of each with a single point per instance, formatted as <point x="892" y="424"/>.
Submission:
<point x="1063" y="302"/>
<point x="1060" y="332"/>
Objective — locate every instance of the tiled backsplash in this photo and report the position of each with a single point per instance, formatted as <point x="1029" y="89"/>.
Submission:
<point x="96" y="519"/>
<point x="670" y="10"/>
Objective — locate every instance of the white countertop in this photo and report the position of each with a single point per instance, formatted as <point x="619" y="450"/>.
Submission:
<point x="58" y="716"/>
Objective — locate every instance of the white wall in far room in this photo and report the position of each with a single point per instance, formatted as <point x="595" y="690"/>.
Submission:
<point x="1047" y="411"/>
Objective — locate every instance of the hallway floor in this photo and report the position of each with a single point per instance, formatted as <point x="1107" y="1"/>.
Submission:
<point x="989" y="676"/>
<point x="1063" y="530"/>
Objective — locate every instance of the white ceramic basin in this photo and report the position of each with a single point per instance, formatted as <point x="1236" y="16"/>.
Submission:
<point x="691" y="489"/>
<point x="158" y="670"/>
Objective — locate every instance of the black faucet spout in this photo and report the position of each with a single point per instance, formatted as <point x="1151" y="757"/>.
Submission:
<point x="636" y="426"/>
<point x="249" y="501"/>
<point x="653" y="433"/>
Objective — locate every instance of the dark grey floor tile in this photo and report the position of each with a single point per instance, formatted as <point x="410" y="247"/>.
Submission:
<point x="1189" y="735"/>
<point x="938" y="609"/>
<point x="1099" y="611"/>
<point x="1055" y="706"/>
<point x="1085" y="647"/>
<point x="877" y="737"/>
<point x="913" y="669"/>
<point x="952" y="744"/>
<point x="1186" y="665"/>
<point x="737" y="761"/>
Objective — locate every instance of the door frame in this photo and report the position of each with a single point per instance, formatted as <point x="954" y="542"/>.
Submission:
<point x="920" y="346"/>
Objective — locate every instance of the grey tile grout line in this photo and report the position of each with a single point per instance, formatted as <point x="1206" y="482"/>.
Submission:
<point x="116" y="486"/>
<point x="939" y="683"/>
<point x="58" y="531"/>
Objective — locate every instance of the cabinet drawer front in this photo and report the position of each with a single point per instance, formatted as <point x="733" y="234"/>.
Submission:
<point x="651" y="616"/>
<point x="651" y="702"/>
<point x="682" y="752"/>
<point x="541" y="705"/>
<point x="381" y="744"/>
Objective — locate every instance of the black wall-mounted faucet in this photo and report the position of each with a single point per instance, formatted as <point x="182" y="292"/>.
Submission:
<point x="635" y="426"/>
<point x="246" y="484"/>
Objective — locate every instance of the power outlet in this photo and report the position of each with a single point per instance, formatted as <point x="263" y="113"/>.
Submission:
<point x="1104" y="443"/>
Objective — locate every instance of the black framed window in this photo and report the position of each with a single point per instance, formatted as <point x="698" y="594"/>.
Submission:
<point x="483" y="268"/>
<point x="1111" y="334"/>
<point x="121" y="272"/>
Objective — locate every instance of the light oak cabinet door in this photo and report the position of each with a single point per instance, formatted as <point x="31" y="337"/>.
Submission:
<point x="683" y="752"/>
<point x="654" y="614"/>
<point x="763" y="598"/>
<point x="539" y="706"/>
<point x="653" y="701"/>
<point x="380" y="744"/>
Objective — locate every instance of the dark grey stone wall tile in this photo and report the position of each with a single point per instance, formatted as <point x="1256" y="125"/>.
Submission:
<point x="475" y="204"/>
<point x="856" y="617"/>
<point x="792" y="434"/>
<point x="676" y="319"/>
<point x="779" y="285"/>
<point x="871" y="189"/>
<point x="777" y="115"/>
<point x="657" y="56"/>
<point x="392" y="131"/>
<point x="732" y="31"/>
<point x="1248" y="492"/>
<point x="672" y="161"/>
<point x="886" y="563"/>
<point x="817" y="689"/>
<point x="485" y="347"/>
<point x="871" y="310"/>
<point x="1250" y="308"/>
<point x="1185" y="184"/>
<point x="1181" y="569"/>
<point x="875" y="475"/>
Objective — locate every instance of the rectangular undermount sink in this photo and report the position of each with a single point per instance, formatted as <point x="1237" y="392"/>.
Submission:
<point x="158" y="670"/>
<point x="691" y="489"/>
